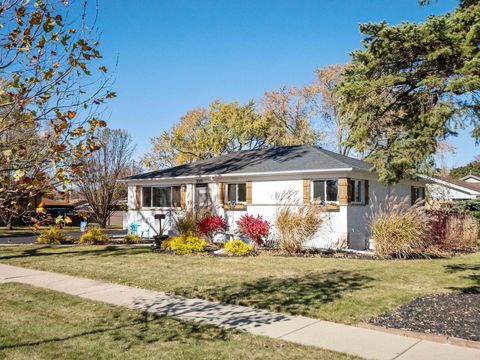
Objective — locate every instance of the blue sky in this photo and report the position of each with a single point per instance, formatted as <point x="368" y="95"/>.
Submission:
<point x="177" y="55"/>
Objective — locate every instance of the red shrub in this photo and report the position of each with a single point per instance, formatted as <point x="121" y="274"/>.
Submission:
<point x="211" y="224"/>
<point x="255" y="228"/>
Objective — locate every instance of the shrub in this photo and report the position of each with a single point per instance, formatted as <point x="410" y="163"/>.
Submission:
<point x="93" y="236"/>
<point x="187" y="245"/>
<point x="211" y="224"/>
<point x="400" y="230"/>
<point x="454" y="230"/>
<point x="186" y="224"/>
<point x="255" y="228"/>
<point x="52" y="235"/>
<point x="295" y="227"/>
<point x="131" y="239"/>
<point x="238" y="247"/>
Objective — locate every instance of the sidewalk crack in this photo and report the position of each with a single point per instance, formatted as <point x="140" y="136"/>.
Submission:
<point x="407" y="349"/>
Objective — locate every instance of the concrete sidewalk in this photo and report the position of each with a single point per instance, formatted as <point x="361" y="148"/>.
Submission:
<point x="367" y="343"/>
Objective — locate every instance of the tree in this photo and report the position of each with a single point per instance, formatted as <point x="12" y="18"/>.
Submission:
<point x="51" y="87"/>
<point x="290" y="112"/>
<point x="472" y="168"/>
<point x="98" y="180"/>
<point x="326" y="81"/>
<point x="412" y="86"/>
<point x="206" y="133"/>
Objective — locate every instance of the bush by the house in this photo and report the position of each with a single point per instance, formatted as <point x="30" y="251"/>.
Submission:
<point x="399" y="230"/>
<point x="209" y="225"/>
<point x="254" y="227"/>
<point x="93" y="236"/>
<point x="238" y="247"/>
<point x="186" y="224"/>
<point x="52" y="235"/>
<point x="454" y="229"/>
<point x="131" y="239"/>
<point x="186" y="245"/>
<point x="295" y="227"/>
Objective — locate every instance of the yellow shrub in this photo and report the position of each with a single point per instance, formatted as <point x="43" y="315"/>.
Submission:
<point x="131" y="239"/>
<point x="238" y="247"/>
<point x="187" y="245"/>
<point x="93" y="236"/>
<point x="52" y="235"/>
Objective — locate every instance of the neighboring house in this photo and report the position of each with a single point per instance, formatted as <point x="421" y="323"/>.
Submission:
<point x="117" y="217"/>
<point x="448" y="189"/>
<point x="471" y="179"/>
<point x="260" y="181"/>
<point x="56" y="208"/>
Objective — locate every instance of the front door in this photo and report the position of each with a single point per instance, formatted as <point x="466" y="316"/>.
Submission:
<point x="202" y="197"/>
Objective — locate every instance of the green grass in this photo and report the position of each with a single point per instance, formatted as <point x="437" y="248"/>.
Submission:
<point x="42" y="324"/>
<point x="340" y="290"/>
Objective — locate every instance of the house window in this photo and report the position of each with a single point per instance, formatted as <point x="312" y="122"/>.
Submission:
<point x="356" y="188"/>
<point x="154" y="197"/>
<point x="325" y="190"/>
<point x="418" y="193"/>
<point x="237" y="193"/>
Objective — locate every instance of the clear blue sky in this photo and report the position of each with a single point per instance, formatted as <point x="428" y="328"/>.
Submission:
<point x="176" y="55"/>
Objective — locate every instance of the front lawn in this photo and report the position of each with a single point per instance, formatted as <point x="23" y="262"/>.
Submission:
<point x="42" y="324"/>
<point x="340" y="290"/>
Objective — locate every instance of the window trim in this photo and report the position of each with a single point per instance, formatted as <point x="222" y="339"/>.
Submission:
<point x="312" y="195"/>
<point x="226" y="201"/>
<point x="362" y="194"/>
<point x="151" y="187"/>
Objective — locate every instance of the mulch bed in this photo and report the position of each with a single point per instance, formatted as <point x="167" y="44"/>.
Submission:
<point x="456" y="315"/>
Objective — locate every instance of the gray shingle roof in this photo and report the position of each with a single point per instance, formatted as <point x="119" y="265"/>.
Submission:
<point x="284" y="158"/>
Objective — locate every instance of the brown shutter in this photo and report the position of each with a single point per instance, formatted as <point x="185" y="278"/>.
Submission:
<point x="306" y="191"/>
<point x="249" y="192"/>
<point x="182" y="196"/>
<point x="221" y="193"/>
<point x="137" y="197"/>
<point x="412" y="195"/>
<point x="367" y="199"/>
<point x="344" y="190"/>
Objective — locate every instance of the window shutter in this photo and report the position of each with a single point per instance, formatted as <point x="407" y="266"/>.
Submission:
<point x="137" y="197"/>
<point x="182" y="196"/>
<point x="412" y="195"/>
<point x="306" y="191"/>
<point x="344" y="190"/>
<point x="221" y="193"/>
<point x="249" y="192"/>
<point x="367" y="199"/>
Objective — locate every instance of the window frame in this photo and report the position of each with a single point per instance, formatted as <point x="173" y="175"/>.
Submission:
<point x="170" y="200"/>
<point x="226" y="201"/>
<point x="312" y="194"/>
<point x="422" y="196"/>
<point x="362" y="192"/>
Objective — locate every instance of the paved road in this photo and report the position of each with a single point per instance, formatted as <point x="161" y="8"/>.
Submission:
<point x="31" y="239"/>
<point x="367" y="343"/>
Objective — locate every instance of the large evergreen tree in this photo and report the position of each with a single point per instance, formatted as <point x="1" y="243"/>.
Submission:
<point x="411" y="86"/>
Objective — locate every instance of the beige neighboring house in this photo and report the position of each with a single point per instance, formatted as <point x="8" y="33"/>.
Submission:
<point x="448" y="189"/>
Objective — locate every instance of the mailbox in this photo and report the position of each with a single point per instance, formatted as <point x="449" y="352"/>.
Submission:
<point x="159" y="216"/>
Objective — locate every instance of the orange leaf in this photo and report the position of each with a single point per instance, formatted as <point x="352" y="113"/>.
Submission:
<point x="71" y="114"/>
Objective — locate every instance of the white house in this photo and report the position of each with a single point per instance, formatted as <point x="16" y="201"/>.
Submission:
<point x="261" y="181"/>
<point x="444" y="188"/>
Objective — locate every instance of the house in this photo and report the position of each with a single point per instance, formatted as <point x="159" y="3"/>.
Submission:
<point x="260" y="181"/>
<point x="448" y="189"/>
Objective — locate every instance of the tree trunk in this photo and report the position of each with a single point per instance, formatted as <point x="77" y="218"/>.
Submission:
<point x="9" y="225"/>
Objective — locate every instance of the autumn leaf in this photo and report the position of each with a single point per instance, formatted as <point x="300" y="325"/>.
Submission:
<point x="71" y="114"/>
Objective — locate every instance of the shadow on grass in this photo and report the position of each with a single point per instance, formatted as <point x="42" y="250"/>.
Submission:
<point x="295" y="295"/>
<point x="43" y="251"/>
<point x="474" y="277"/>
<point x="140" y="330"/>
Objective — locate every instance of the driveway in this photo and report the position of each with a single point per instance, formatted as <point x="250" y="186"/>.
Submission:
<point x="31" y="239"/>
